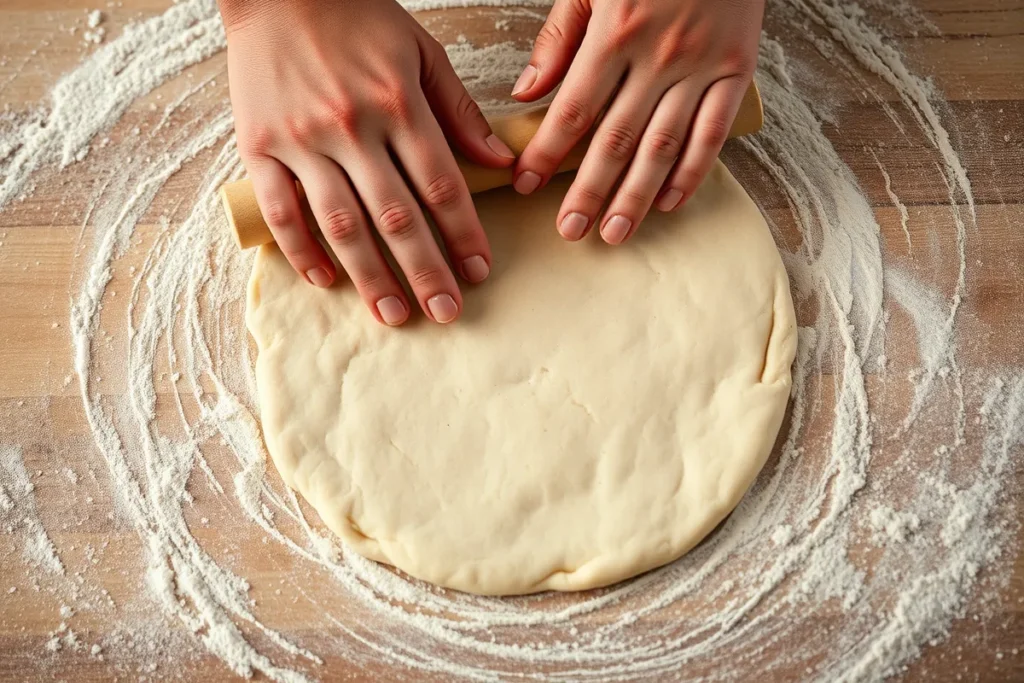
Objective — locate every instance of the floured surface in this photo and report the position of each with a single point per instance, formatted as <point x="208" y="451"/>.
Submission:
<point x="125" y="362"/>
<point x="594" y="415"/>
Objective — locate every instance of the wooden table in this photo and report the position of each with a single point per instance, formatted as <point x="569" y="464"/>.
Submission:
<point x="977" y="62"/>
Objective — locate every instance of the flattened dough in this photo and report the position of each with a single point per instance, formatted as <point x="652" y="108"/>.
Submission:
<point x="594" y="414"/>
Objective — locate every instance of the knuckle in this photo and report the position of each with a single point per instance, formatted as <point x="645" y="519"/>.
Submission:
<point x="681" y="45"/>
<point x="588" y="195"/>
<point x="425" y="276"/>
<point x="458" y="241"/>
<point x="341" y="227"/>
<point x="550" y="35"/>
<point x="693" y="44"/>
<point x="302" y="129"/>
<point x="633" y="196"/>
<point x="714" y="133"/>
<point x="341" y="114"/>
<point x="620" y="38"/>
<point x="301" y="257"/>
<point x="631" y="19"/>
<point x="256" y="141"/>
<point x="397" y="221"/>
<point x="280" y="215"/>
<point x="369" y="281"/>
<point x="467" y="108"/>
<point x="664" y="145"/>
<point x="443" y="192"/>
<point x="581" y="11"/>
<point x="670" y="52"/>
<point x="689" y="179"/>
<point x="739" y="60"/>
<point x="617" y="40"/>
<point x="618" y="141"/>
<point x="434" y="48"/>
<point x="543" y="161"/>
<point x="573" y="116"/>
<point x="394" y="103"/>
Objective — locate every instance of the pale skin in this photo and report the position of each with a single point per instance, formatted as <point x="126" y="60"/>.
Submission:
<point x="365" y="121"/>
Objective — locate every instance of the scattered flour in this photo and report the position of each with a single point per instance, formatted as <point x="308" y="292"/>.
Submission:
<point x="18" y="513"/>
<point x="732" y="608"/>
<point x="95" y="33"/>
<point x="904" y="215"/>
<point x="782" y="535"/>
<point x="895" y="526"/>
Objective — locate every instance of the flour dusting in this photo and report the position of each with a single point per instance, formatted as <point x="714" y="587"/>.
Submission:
<point x="18" y="513"/>
<point x="887" y="507"/>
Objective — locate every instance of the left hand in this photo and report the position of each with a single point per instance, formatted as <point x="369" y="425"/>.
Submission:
<point x="672" y="74"/>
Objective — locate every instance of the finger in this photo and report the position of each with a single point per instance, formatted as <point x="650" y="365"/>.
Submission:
<point x="278" y="200"/>
<point x="404" y="229"/>
<point x="344" y="226"/>
<point x="614" y="144"/>
<point x="458" y="113"/>
<point x="659" y="148"/>
<point x="557" y="42"/>
<point x="708" y="133"/>
<point x="421" y="149"/>
<point x="591" y="81"/>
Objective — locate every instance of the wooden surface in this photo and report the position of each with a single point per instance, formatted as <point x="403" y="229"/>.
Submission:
<point x="978" y="63"/>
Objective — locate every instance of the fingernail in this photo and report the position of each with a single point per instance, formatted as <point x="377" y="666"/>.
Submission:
<point x="499" y="147"/>
<point x="616" y="229"/>
<point x="669" y="200"/>
<point x="572" y="226"/>
<point x="392" y="310"/>
<point x="475" y="269"/>
<point x="527" y="182"/>
<point x="319" y="277"/>
<point x="443" y="308"/>
<point x="526" y="80"/>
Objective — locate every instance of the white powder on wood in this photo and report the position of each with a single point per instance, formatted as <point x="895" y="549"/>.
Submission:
<point x="95" y="36"/>
<point x="782" y="535"/>
<point x="96" y="33"/>
<point x="896" y="527"/>
<point x="904" y="215"/>
<point x="18" y="513"/>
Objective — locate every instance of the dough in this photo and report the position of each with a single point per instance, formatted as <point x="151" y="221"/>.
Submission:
<point x="594" y="414"/>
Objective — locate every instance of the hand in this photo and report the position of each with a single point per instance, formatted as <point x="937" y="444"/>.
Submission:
<point x="347" y="97"/>
<point x="672" y="74"/>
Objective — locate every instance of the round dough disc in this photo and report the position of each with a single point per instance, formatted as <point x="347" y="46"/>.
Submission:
<point x="594" y="413"/>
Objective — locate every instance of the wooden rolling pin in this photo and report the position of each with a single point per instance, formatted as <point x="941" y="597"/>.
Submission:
<point x="251" y="230"/>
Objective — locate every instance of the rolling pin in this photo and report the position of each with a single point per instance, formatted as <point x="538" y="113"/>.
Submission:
<point x="517" y="130"/>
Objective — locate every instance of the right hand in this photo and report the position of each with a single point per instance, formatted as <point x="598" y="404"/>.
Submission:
<point x="346" y="97"/>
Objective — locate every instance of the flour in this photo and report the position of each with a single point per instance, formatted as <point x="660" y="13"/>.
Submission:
<point x="904" y="215"/>
<point x="482" y="68"/>
<point x="18" y="513"/>
<point x="733" y="608"/>
<point x="782" y="535"/>
<point x="896" y="526"/>
<point x="92" y="97"/>
<point x="96" y="33"/>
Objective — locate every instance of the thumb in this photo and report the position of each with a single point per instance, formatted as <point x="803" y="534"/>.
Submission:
<point x="458" y="113"/>
<point x="556" y="45"/>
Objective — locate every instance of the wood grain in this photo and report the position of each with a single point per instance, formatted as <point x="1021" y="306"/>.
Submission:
<point x="977" y="62"/>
